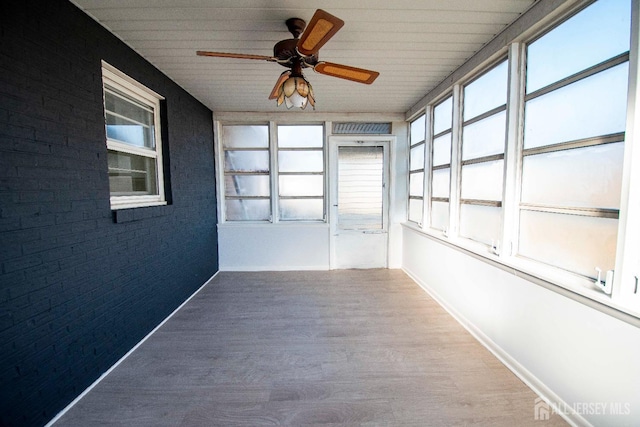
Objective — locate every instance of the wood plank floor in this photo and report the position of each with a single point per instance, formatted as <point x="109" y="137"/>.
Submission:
<point x="330" y="348"/>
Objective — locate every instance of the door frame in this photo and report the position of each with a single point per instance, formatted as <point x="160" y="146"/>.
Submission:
<point x="384" y="141"/>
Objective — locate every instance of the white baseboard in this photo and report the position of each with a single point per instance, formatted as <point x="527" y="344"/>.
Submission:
<point x="115" y="365"/>
<point x="323" y="267"/>
<point x="538" y="387"/>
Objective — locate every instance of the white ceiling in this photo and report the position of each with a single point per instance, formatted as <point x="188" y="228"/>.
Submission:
<point x="414" y="44"/>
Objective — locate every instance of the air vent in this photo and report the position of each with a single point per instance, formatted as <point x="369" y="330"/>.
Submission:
<point x="361" y="128"/>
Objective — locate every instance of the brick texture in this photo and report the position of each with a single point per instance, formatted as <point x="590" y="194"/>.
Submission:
<point x="80" y="285"/>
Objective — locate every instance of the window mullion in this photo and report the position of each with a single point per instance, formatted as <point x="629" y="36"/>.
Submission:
<point x="456" y="155"/>
<point x="326" y="211"/>
<point x="513" y="147"/>
<point x="428" y="155"/>
<point x="131" y="149"/>
<point x="626" y="289"/>
<point x="273" y="165"/>
<point x="485" y="115"/>
<point x="610" y="63"/>
<point x="580" y="143"/>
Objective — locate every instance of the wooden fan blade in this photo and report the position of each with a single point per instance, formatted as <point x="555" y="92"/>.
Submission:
<point x="236" y="55"/>
<point x="322" y="27"/>
<point x="354" y="74"/>
<point x="284" y="76"/>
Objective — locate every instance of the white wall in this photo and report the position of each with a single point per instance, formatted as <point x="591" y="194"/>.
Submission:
<point x="398" y="193"/>
<point x="264" y="247"/>
<point x="566" y="351"/>
<point x="305" y="246"/>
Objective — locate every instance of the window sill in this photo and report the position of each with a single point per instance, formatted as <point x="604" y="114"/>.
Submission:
<point x="231" y="224"/>
<point x="129" y="213"/>
<point x="567" y="284"/>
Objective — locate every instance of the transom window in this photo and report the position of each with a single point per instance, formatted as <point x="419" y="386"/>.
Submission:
<point x="134" y="146"/>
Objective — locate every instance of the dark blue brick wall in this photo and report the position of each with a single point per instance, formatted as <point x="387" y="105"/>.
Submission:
<point x="80" y="285"/>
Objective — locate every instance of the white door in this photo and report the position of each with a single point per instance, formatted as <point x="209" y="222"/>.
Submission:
<point x="359" y="199"/>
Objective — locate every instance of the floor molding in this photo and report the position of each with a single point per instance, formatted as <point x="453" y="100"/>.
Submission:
<point x="115" y="365"/>
<point x="253" y="268"/>
<point x="538" y="387"/>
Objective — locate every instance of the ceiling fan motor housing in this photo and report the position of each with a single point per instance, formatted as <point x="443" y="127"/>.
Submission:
<point x="287" y="54"/>
<point x="295" y="26"/>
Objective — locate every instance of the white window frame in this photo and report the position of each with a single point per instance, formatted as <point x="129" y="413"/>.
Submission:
<point x="224" y="173"/>
<point x="116" y="79"/>
<point x="279" y="173"/>
<point x="412" y="145"/>
<point x="274" y="173"/>
<point x="452" y="93"/>
<point x="460" y="163"/>
<point x="624" y="302"/>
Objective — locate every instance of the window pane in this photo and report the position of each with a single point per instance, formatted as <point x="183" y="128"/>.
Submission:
<point x="360" y="173"/>
<point x="486" y="92"/>
<point x="594" y="35"/>
<point x="131" y="175"/>
<point x="301" y="185"/>
<point x="246" y="161"/>
<point x="416" y="184"/>
<point x="583" y="177"/>
<point x="300" y="161"/>
<point x="417" y="157"/>
<point x="480" y="223"/>
<point x="246" y="185"/>
<point x="590" y="107"/>
<point x="418" y="130"/>
<point x="128" y="121"/>
<point x="245" y="136"/>
<point x="482" y="181"/>
<point x="484" y="138"/>
<point x="442" y="150"/>
<point x="306" y="136"/>
<point x="124" y="105"/>
<point x="131" y="133"/>
<point x="440" y="183"/>
<point x="415" y="210"/>
<point x="575" y="243"/>
<point x="301" y="209"/>
<point x="248" y="209"/>
<point x="440" y="215"/>
<point x="443" y="116"/>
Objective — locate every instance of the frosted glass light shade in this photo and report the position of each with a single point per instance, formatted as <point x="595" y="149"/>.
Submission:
<point x="296" y="92"/>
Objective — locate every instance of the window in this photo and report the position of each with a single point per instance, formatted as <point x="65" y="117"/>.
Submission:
<point x="360" y="188"/>
<point x="416" y="169"/>
<point x="482" y="159"/>
<point x="301" y="172"/>
<point x="574" y="123"/>
<point x="529" y="156"/>
<point x="247" y="190"/>
<point x="134" y="146"/>
<point x="260" y="163"/>
<point x="441" y="164"/>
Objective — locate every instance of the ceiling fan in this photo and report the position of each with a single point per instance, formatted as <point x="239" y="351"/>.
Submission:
<point x="302" y="52"/>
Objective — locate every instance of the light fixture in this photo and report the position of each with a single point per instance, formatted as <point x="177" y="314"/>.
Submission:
<point x="296" y="91"/>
